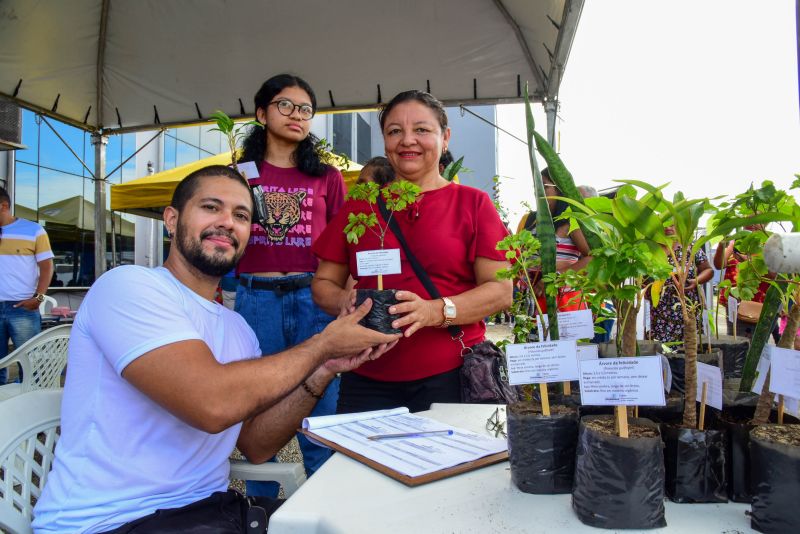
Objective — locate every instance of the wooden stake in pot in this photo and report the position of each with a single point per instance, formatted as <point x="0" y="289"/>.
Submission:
<point x="781" y="408"/>
<point x="702" y="420"/>
<point x="545" y="400"/>
<point x="621" y="421"/>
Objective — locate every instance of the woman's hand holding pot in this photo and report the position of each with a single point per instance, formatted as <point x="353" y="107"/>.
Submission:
<point x="417" y="312"/>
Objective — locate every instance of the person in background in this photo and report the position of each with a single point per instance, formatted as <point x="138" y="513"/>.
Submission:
<point x="301" y="194"/>
<point x="227" y="286"/>
<point x="378" y="170"/>
<point x="453" y="230"/>
<point x="666" y="319"/>
<point x="572" y="250"/>
<point x="26" y="264"/>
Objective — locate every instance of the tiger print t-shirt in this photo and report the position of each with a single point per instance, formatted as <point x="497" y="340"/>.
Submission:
<point x="298" y="208"/>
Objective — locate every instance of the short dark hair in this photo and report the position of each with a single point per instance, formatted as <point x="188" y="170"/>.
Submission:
<point x="382" y="171"/>
<point x="4" y="196"/>
<point x="422" y="97"/>
<point x="188" y="186"/>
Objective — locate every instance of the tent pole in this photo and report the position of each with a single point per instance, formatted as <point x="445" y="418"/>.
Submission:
<point x="99" y="141"/>
<point x="551" y="109"/>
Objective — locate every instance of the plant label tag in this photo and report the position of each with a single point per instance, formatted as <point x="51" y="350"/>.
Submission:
<point x="374" y="262"/>
<point x="536" y="363"/>
<point x="762" y="368"/>
<point x="622" y="382"/>
<point x="574" y="325"/>
<point x="587" y="352"/>
<point x="666" y="372"/>
<point x="248" y="169"/>
<point x="733" y="309"/>
<point x="785" y="376"/>
<point x="712" y="376"/>
<point x="790" y="405"/>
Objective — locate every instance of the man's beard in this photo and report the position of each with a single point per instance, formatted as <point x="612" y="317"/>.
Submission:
<point x="216" y="264"/>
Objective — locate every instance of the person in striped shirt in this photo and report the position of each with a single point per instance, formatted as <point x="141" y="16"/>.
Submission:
<point x="26" y="264"/>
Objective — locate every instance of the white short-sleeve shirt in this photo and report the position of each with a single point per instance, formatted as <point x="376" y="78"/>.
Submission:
<point x="121" y="456"/>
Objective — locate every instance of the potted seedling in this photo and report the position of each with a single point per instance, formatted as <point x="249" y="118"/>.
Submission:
<point x="619" y="470"/>
<point x="369" y="220"/>
<point x="541" y="436"/>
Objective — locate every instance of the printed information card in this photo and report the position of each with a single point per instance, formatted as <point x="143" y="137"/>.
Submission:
<point x="587" y="352"/>
<point x="572" y="325"/>
<point x="712" y="376"/>
<point x="537" y="363"/>
<point x="622" y="381"/>
<point x="785" y="377"/>
<point x="375" y="262"/>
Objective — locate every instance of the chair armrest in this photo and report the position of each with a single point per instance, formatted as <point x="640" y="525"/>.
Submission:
<point x="290" y="475"/>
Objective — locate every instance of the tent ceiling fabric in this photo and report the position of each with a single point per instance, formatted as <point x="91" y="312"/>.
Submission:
<point x="180" y="55"/>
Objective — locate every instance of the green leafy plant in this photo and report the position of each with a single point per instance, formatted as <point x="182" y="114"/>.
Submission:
<point x="398" y="195"/>
<point x="233" y="132"/>
<point x="452" y="169"/>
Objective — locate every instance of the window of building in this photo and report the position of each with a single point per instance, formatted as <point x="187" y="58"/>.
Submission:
<point x="363" y="140"/>
<point x="343" y="134"/>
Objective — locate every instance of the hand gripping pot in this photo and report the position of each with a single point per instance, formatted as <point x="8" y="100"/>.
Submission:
<point x="619" y="482"/>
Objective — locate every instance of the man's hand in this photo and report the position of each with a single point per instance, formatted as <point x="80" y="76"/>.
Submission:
<point x="348" y="363"/>
<point x="345" y="337"/>
<point x="30" y="304"/>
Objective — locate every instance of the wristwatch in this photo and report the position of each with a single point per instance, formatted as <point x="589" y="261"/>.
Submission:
<point x="39" y="297"/>
<point x="449" y="312"/>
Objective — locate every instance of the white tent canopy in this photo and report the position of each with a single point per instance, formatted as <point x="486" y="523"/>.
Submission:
<point x="138" y="58"/>
<point x="112" y="66"/>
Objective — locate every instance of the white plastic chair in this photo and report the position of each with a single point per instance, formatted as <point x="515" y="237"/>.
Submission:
<point x="47" y="304"/>
<point x="289" y="475"/>
<point x="43" y="358"/>
<point x="29" y="430"/>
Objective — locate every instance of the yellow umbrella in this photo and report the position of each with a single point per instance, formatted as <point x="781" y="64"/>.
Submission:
<point x="148" y="196"/>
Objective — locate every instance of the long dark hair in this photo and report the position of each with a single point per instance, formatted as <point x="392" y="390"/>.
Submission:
<point x="418" y="96"/>
<point x="254" y="146"/>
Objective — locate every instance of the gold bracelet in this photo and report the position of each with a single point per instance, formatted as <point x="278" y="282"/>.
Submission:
<point x="310" y="391"/>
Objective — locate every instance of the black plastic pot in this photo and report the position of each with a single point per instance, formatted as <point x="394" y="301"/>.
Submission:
<point x="733" y="354"/>
<point x="619" y="482"/>
<point x="671" y="413"/>
<point x="775" y="472"/>
<point x="694" y="461"/>
<point x="677" y="364"/>
<point x="379" y="318"/>
<point x="541" y="449"/>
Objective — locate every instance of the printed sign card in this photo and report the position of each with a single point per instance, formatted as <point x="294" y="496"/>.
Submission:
<point x="375" y="262"/>
<point x="785" y="377"/>
<point x="536" y="363"/>
<point x="587" y="352"/>
<point x="666" y="372"/>
<point x="762" y="368"/>
<point x="248" y="169"/>
<point x="712" y="376"/>
<point x="573" y="325"/>
<point x="622" y="381"/>
<point x="733" y="309"/>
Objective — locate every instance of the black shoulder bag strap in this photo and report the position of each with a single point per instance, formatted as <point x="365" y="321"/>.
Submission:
<point x="455" y="331"/>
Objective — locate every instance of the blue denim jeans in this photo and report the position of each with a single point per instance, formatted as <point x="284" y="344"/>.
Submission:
<point x="18" y="325"/>
<point x="281" y="321"/>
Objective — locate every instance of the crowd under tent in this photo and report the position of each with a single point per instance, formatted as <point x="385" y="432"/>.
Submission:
<point x="114" y="66"/>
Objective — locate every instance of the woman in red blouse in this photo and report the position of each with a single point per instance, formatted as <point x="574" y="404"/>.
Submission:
<point x="453" y="230"/>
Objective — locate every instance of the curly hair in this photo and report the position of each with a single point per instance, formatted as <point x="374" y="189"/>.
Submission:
<point x="254" y="148"/>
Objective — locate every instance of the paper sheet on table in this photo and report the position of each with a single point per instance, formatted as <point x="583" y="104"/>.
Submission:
<point x="322" y="421"/>
<point x="411" y="456"/>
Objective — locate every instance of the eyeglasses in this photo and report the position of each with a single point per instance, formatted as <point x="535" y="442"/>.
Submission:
<point x="495" y="425"/>
<point x="287" y="107"/>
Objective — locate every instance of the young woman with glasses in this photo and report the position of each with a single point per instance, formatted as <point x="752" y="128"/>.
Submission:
<point x="300" y="195"/>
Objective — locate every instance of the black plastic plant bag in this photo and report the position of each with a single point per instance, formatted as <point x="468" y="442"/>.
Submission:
<point x="694" y="463"/>
<point x="670" y="413"/>
<point x="378" y="318"/>
<point x="677" y="364"/>
<point x="733" y="421"/>
<point x="541" y="450"/>
<point x="733" y="354"/>
<point x="619" y="482"/>
<point x="776" y="487"/>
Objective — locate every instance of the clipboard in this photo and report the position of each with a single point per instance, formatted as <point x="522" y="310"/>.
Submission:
<point x="405" y="479"/>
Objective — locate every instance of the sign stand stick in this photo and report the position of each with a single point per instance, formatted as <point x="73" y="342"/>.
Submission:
<point x="621" y="421"/>
<point x="380" y="282"/>
<point x="545" y="400"/>
<point x="567" y="389"/>
<point x="636" y="411"/>
<point x="702" y="420"/>
<point x="781" y="408"/>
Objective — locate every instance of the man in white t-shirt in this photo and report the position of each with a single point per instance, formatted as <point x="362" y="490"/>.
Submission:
<point x="163" y="382"/>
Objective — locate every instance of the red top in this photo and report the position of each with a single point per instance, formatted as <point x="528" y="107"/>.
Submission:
<point x="447" y="229"/>
<point x="731" y="272"/>
<point x="298" y="207"/>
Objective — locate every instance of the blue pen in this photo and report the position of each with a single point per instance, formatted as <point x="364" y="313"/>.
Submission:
<point x="412" y="434"/>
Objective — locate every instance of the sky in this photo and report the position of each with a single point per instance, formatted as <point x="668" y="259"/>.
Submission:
<point x="701" y="94"/>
